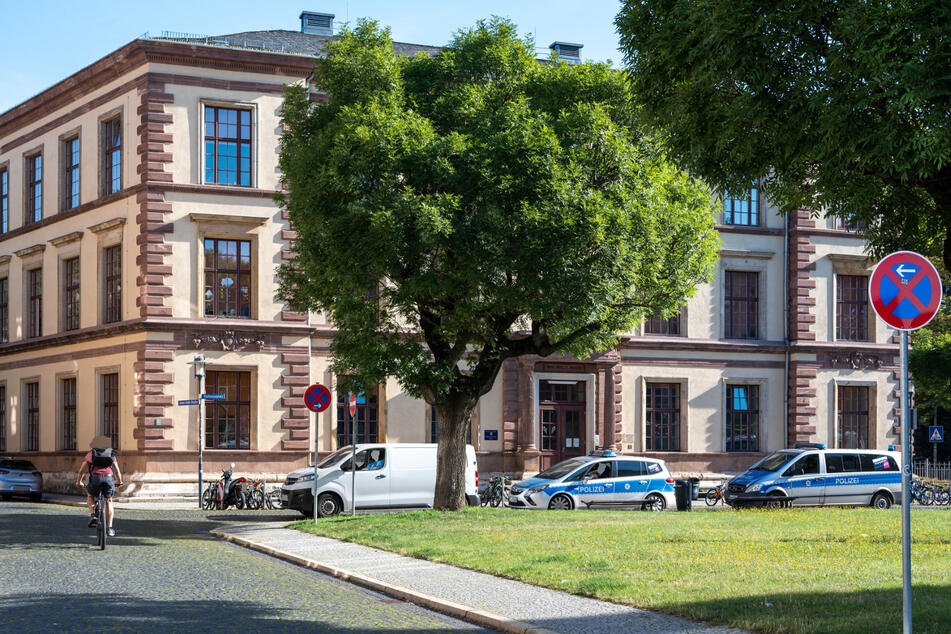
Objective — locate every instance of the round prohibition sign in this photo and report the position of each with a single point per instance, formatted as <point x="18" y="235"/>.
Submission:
<point x="317" y="398"/>
<point x="905" y="290"/>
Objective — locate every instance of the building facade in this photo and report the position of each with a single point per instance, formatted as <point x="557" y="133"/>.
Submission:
<point x="138" y="232"/>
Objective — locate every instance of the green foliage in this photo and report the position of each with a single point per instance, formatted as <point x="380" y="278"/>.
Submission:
<point x="930" y="359"/>
<point x="840" y="106"/>
<point x="500" y="206"/>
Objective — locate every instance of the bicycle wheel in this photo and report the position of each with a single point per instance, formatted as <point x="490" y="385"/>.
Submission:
<point x="713" y="496"/>
<point x="101" y="526"/>
<point x="496" y="498"/>
<point x="255" y="499"/>
<point x="927" y="496"/>
<point x="208" y="498"/>
<point x="274" y="500"/>
<point x="942" y="497"/>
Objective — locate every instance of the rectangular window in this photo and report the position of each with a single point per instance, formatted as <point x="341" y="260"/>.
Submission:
<point x="4" y="200"/>
<point x="70" y="161"/>
<point x="71" y="294"/>
<point x="743" y="210"/>
<point x="69" y="413"/>
<point x="112" y="284"/>
<point x="3" y="418"/>
<point x="34" y="189"/>
<point x="741" y="304"/>
<point x="851" y="308"/>
<point x="845" y="224"/>
<point x="32" y="437"/>
<point x="228" y="278"/>
<point x="110" y="408"/>
<point x="35" y="302"/>
<point x="4" y="310"/>
<point x="110" y="170"/>
<point x="663" y="417"/>
<point x="742" y="418"/>
<point x="228" y="421"/>
<point x="367" y="421"/>
<point x="657" y="325"/>
<point x="227" y="146"/>
<point x="853" y="417"/>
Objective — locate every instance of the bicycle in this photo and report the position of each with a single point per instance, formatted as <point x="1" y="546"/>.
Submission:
<point x="497" y="492"/>
<point x="101" y="528"/>
<point x="716" y="494"/>
<point x="922" y="493"/>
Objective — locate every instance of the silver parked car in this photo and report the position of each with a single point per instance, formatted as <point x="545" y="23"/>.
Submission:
<point x="19" y="477"/>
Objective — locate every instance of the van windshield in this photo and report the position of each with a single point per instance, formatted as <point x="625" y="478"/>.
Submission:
<point x="773" y="461"/>
<point x="560" y="469"/>
<point x="335" y="457"/>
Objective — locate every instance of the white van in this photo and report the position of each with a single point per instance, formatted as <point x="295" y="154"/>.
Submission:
<point x="388" y="476"/>
<point x="811" y="475"/>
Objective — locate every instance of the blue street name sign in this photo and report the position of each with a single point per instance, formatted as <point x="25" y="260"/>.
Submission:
<point x="936" y="433"/>
<point x="191" y="401"/>
<point x="213" y="397"/>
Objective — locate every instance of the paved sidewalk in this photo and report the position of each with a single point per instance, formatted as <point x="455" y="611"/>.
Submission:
<point x="504" y="604"/>
<point x="142" y="504"/>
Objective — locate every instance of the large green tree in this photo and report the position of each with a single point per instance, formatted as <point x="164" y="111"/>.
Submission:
<point x="456" y="210"/>
<point x="840" y="106"/>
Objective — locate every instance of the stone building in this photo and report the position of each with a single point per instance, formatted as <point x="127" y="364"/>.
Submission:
<point x="139" y="232"/>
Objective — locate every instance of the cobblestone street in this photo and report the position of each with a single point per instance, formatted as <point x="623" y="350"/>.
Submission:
<point x="163" y="572"/>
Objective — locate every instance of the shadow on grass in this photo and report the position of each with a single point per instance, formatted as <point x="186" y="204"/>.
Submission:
<point x="856" y="611"/>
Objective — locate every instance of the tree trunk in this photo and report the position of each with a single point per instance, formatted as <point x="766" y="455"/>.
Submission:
<point x="451" y="456"/>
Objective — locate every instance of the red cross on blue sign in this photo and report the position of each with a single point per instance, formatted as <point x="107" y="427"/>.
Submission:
<point x="905" y="290"/>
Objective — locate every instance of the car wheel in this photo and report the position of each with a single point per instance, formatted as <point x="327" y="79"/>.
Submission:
<point x="654" y="502"/>
<point x="881" y="501"/>
<point x="36" y="497"/>
<point x="561" y="502"/>
<point x="776" y="502"/>
<point x="328" y="505"/>
<point x="7" y="497"/>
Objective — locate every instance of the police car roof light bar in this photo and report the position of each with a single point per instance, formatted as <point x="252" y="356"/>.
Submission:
<point x="809" y="445"/>
<point x="601" y="452"/>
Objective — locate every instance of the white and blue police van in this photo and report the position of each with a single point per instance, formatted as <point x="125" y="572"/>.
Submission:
<point x="811" y="475"/>
<point x="601" y="479"/>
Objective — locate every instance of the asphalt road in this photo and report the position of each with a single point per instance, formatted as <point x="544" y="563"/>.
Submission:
<point x="164" y="573"/>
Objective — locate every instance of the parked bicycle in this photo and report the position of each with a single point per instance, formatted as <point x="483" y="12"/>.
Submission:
<point x="497" y="492"/>
<point x="716" y="494"/>
<point x="922" y="492"/>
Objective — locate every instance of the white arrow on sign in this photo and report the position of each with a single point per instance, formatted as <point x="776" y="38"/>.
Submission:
<point x="901" y="270"/>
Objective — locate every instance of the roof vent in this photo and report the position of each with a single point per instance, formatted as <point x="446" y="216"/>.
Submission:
<point x="567" y="51"/>
<point x="317" y="23"/>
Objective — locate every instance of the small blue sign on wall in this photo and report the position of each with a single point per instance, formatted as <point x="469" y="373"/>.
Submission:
<point x="491" y="434"/>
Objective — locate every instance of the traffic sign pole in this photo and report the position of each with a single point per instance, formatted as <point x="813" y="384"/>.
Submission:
<point x="353" y="454"/>
<point x="906" y="490"/>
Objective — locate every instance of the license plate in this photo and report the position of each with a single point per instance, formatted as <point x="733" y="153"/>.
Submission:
<point x="285" y="498"/>
<point x="512" y="499"/>
<point x="21" y="487"/>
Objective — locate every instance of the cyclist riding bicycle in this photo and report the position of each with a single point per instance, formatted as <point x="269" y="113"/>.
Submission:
<point x="104" y="474"/>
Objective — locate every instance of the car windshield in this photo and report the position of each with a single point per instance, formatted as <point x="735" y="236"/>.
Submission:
<point x="561" y="469"/>
<point x="773" y="461"/>
<point x="333" y="458"/>
<point x="19" y="465"/>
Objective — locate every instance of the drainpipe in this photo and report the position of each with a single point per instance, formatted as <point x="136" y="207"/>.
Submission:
<point x="786" y="333"/>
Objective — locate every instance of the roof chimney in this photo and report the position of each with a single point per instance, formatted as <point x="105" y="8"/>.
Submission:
<point x="317" y="23"/>
<point x="567" y="51"/>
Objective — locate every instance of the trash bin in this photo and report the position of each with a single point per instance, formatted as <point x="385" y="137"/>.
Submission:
<point x="682" y="495"/>
<point x="695" y="489"/>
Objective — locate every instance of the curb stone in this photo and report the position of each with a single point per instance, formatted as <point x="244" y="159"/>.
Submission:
<point x="473" y="615"/>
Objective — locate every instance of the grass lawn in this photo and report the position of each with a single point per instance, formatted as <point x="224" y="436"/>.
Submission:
<point x="809" y="570"/>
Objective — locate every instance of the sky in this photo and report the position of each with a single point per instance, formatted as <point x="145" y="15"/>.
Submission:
<point x="39" y="48"/>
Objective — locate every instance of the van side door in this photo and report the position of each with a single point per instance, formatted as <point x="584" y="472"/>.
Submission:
<point x="803" y="481"/>
<point x="371" y="479"/>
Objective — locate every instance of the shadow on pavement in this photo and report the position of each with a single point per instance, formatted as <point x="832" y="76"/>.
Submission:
<point x="108" y="612"/>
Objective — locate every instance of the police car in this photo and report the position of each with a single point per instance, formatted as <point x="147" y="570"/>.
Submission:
<point x="811" y="475"/>
<point x="598" y="479"/>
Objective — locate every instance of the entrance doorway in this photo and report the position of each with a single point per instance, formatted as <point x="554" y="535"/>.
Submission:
<point x="561" y="407"/>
